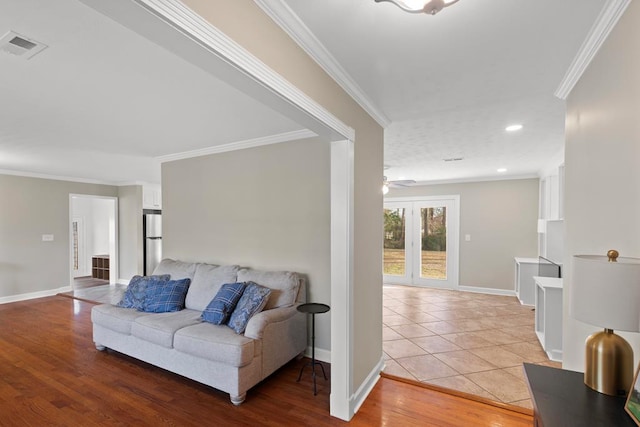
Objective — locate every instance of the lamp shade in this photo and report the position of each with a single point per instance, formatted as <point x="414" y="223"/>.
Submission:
<point x="606" y="294"/>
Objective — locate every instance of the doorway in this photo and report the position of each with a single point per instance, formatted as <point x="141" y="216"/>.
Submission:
<point x="421" y="241"/>
<point x="92" y="240"/>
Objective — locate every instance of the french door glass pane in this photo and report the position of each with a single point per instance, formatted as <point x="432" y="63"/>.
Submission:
<point x="433" y="237"/>
<point x="394" y="242"/>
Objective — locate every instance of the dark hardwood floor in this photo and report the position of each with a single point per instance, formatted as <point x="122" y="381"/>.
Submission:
<point x="51" y="374"/>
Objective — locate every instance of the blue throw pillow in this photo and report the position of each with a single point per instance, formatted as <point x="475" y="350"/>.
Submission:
<point x="222" y="305"/>
<point x="166" y="296"/>
<point x="252" y="301"/>
<point x="136" y="292"/>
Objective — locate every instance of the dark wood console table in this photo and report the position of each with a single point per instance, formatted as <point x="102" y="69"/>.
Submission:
<point x="560" y="399"/>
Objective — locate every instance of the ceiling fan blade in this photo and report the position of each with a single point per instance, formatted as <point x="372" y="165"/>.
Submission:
<point x="402" y="182"/>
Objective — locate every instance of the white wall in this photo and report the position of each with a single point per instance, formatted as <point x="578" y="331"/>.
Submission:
<point x="602" y="174"/>
<point x="98" y="217"/>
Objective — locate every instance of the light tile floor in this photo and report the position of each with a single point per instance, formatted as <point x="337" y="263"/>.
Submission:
<point x="474" y="343"/>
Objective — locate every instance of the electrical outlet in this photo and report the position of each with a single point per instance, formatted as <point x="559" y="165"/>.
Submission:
<point x="47" y="237"/>
<point x="467" y="237"/>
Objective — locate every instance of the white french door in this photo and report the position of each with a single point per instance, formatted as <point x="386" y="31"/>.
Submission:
<point x="421" y="241"/>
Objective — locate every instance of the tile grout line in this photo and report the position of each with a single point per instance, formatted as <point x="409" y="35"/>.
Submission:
<point x="456" y="313"/>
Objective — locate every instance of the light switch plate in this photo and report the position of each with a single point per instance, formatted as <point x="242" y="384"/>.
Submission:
<point x="47" y="237"/>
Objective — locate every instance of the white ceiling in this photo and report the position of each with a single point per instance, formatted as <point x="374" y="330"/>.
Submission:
<point x="449" y="84"/>
<point x="103" y="103"/>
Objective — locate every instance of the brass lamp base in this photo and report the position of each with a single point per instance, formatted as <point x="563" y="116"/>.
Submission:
<point x="609" y="363"/>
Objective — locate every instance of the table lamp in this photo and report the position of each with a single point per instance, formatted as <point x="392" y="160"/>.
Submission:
<point x="605" y="292"/>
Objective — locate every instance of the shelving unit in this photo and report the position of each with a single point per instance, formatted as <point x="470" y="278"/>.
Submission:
<point x="100" y="267"/>
<point x="526" y="268"/>
<point x="548" y="319"/>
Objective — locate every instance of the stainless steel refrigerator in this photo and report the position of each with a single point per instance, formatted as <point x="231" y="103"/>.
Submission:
<point x="152" y="228"/>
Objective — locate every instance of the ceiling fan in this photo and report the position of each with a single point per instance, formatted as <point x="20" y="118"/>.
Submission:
<point x="397" y="183"/>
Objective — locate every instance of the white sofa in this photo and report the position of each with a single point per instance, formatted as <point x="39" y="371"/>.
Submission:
<point x="211" y="354"/>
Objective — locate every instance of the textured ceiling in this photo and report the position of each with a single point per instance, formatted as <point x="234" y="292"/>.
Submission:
<point x="451" y="83"/>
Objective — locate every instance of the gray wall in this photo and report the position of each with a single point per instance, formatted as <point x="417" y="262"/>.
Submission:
<point x="247" y="25"/>
<point x="500" y="216"/>
<point x="602" y="155"/>
<point x="130" y="231"/>
<point x="32" y="207"/>
<point x="265" y="207"/>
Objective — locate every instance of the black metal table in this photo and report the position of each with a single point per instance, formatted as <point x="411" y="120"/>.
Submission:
<point x="313" y="308"/>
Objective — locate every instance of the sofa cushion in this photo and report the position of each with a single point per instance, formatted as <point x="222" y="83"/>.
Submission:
<point x="222" y="305"/>
<point x="136" y="292"/>
<point x="160" y="328"/>
<point x="163" y="297"/>
<point x="284" y="285"/>
<point x="215" y="342"/>
<point x="177" y="269"/>
<point x="206" y="283"/>
<point x="252" y="301"/>
<point x="117" y="319"/>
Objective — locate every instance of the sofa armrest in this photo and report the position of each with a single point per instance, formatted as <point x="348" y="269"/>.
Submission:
<point x="257" y="324"/>
<point x="283" y="333"/>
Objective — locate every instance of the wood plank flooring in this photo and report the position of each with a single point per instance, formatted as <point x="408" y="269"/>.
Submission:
<point x="50" y="374"/>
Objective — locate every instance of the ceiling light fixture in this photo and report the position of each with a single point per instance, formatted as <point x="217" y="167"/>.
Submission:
<point x="502" y="170"/>
<point x="513" y="128"/>
<point x="421" y="6"/>
<point x="385" y="185"/>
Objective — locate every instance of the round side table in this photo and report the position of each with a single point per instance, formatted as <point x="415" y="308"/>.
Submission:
<point x="313" y="308"/>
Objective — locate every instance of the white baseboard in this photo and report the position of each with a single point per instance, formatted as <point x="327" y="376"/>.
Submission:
<point x="357" y="399"/>
<point x="490" y="291"/>
<point x="321" y="354"/>
<point x="555" y="355"/>
<point x="34" y="295"/>
<point x="123" y="282"/>
<point x="365" y="388"/>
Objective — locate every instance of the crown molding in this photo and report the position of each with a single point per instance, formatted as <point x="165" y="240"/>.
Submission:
<point x="606" y="21"/>
<point x="240" y="145"/>
<point x="472" y="180"/>
<point x="287" y="19"/>
<point x="197" y="28"/>
<point x="27" y="174"/>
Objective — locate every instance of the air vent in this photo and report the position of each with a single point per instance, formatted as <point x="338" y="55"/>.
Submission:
<point x="453" y="159"/>
<point x="24" y="47"/>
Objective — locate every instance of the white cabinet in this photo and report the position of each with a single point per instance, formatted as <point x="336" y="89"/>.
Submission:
<point x="151" y="196"/>
<point x="548" y="319"/>
<point x="551" y="239"/>
<point x="551" y="203"/>
<point x="551" y="212"/>
<point x="526" y="268"/>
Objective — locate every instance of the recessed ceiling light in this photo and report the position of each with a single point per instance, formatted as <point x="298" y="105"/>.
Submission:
<point x="502" y="170"/>
<point x="513" y="128"/>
